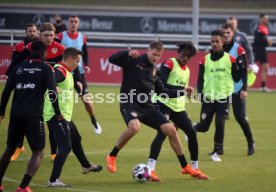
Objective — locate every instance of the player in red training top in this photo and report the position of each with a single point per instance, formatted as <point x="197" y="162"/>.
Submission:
<point x="261" y="41"/>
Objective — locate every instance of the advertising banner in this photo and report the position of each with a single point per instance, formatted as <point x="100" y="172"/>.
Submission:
<point x="103" y="72"/>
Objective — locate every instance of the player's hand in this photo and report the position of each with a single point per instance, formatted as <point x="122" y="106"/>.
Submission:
<point x="189" y="91"/>
<point x="134" y="53"/>
<point x="1" y="118"/>
<point x="58" y="89"/>
<point x="269" y="42"/>
<point x="79" y="84"/>
<point x="87" y="69"/>
<point x="243" y="94"/>
<point x="3" y="77"/>
<point x="60" y="117"/>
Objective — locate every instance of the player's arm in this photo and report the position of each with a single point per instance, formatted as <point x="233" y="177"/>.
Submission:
<point x="243" y="64"/>
<point x="200" y="77"/>
<point x="60" y="74"/>
<point x="248" y="49"/>
<point x="165" y="71"/>
<point x="120" y="58"/>
<point x="18" y="58"/>
<point x="261" y="39"/>
<point x="51" y="86"/>
<point x="172" y="93"/>
<point x="9" y="86"/>
<point x="236" y="69"/>
<point x="85" y="52"/>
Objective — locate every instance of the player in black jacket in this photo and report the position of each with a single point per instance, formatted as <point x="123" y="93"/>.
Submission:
<point x="29" y="80"/>
<point x="140" y="80"/>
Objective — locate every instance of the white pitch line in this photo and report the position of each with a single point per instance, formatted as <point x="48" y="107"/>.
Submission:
<point x="97" y="152"/>
<point x="44" y="186"/>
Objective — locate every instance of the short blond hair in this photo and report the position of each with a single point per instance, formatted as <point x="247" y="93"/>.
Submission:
<point x="47" y="27"/>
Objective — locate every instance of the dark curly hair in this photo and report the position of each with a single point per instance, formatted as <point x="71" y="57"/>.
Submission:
<point x="186" y="45"/>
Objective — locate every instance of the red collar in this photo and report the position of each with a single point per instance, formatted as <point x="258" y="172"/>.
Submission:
<point x="72" y="36"/>
<point x="65" y="66"/>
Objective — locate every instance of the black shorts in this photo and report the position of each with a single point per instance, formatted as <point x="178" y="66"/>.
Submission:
<point x="149" y="116"/>
<point x="261" y="56"/>
<point x="32" y="128"/>
<point x="84" y="86"/>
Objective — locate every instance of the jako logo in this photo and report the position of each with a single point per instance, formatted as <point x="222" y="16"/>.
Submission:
<point x="110" y="68"/>
<point x="29" y="86"/>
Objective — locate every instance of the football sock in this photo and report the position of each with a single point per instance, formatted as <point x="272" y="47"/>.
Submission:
<point x="94" y="121"/>
<point x="263" y="83"/>
<point x="151" y="164"/>
<point x="182" y="160"/>
<point x="114" y="151"/>
<point x="25" y="181"/>
<point x="1" y="177"/>
<point x="218" y="147"/>
<point x="194" y="164"/>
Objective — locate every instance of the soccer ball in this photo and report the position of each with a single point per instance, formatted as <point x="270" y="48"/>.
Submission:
<point x="141" y="173"/>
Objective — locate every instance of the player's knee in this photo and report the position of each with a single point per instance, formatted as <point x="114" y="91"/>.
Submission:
<point x="134" y="126"/>
<point x="169" y="130"/>
<point x="191" y="134"/>
<point x="201" y="128"/>
<point x="65" y="149"/>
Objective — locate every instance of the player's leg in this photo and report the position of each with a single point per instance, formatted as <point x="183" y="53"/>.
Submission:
<point x="206" y="116"/>
<point x="157" y="144"/>
<point x="133" y="126"/>
<point x="15" y="133"/>
<point x="79" y="152"/>
<point x="89" y="106"/>
<point x="183" y="122"/>
<point x="53" y="144"/>
<point x="264" y="70"/>
<point x="20" y="149"/>
<point x="63" y="138"/>
<point x="239" y="109"/>
<point x="154" y="153"/>
<point x="35" y="134"/>
<point x="221" y="115"/>
<point x="155" y="119"/>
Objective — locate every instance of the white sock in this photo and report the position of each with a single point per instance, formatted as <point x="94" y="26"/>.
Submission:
<point x="194" y="164"/>
<point x="151" y="164"/>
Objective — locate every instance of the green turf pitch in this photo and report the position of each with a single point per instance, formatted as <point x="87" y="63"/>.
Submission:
<point x="236" y="172"/>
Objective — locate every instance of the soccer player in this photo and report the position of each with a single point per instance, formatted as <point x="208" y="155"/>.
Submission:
<point x="140" y="80"/>
<point x="73" y="38"/>
<point x="53" y="56"/>
<point x="240" y="88"/>
<point x="176" y="74"/>
<point x="241" y="38"/>
<point x="29" y="80"/>
<point x="217" y="70"/>
<point x="261" y="41"/>
<point x="31" y="35"/>
<point x="65" y="132"/>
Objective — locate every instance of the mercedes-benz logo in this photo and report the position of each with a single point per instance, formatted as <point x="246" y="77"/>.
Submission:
<point x="19" y="71"/>
<point x="38" y="19"/>
<point x="147" y="25"/>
